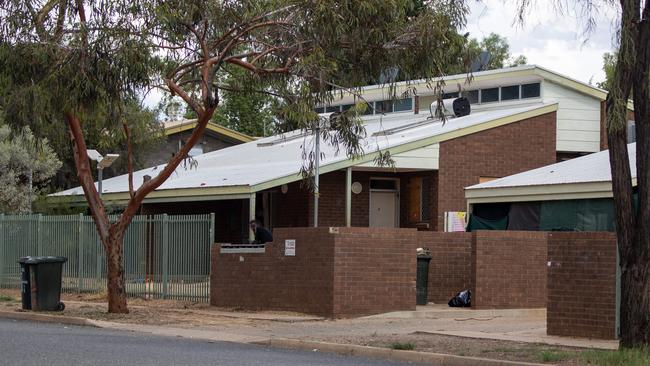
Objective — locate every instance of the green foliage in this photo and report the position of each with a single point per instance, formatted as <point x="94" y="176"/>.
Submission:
<point x="98" y="75"/>
<point x="23" y="156"/>
<point x="243" y="107"/>
<point x="622" y="357"/>
<point x="554" y="356"/>
<point x="6" y="298"/>
<point x="499" y="51"/>
<point x="609" y="66"/>
<point x="403" y="346"/>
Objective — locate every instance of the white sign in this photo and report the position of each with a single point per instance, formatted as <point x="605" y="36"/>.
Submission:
<point x="290" y="247"/>
<point x="455" y="221"/>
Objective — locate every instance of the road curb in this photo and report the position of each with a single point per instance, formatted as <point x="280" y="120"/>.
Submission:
<point x="396" y="355"/>
<point x="28" y="315"/>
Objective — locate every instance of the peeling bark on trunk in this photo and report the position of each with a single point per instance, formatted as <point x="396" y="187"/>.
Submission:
<point x="116" y="288"/>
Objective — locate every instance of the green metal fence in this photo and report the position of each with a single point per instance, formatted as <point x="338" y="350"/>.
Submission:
<point x="165" y="256"/>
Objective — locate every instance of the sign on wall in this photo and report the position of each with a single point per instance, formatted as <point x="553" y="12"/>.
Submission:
<point x="455" y="221"/>
<point x="290" y="247"/>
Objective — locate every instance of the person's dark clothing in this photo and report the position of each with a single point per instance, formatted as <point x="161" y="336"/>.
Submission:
<point x="263" y="235"/>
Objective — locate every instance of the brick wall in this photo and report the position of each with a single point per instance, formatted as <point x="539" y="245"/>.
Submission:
<point x="271" y="280"/>
<point x="374" y="271"/>
<point x="496" y="152"/>
<point x="450" y="269"/>
<point x="582" y="285"/>
<point x="509" y="269"/>
<point x="357" y="271"/>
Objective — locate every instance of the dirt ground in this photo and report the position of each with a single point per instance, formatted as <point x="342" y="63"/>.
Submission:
<point x="369" y="332"/>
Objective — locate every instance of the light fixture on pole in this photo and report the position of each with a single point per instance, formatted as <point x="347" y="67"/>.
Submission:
<point x="102" y="162"/>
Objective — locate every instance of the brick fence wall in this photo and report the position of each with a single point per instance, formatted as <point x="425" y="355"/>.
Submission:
<point x="271" y="280"/>
<point x="374" y="270"/>
<point x="582" y="285"/>
<point x="355" y="271"/>
<point x="509" y="269"/>
<point x="450" y="269"/>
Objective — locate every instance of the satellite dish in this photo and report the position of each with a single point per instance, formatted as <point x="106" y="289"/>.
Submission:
<point x="481" y="62"/>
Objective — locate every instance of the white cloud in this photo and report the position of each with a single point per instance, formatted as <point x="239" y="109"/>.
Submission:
<point x="548" y="38"/>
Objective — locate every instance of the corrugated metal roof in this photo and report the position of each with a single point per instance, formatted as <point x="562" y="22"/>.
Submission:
<point x="275" y="157"/>
<point x="591" y="168"/>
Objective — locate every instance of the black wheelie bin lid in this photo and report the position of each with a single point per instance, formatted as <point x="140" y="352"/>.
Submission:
<point x="37" y="260"/>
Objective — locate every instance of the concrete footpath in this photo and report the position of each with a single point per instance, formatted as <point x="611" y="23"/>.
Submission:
<point x="312" y="333"/>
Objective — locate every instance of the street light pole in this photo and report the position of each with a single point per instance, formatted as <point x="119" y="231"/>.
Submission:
<point x="102" y="162"/>
<point x="100" y="176"/>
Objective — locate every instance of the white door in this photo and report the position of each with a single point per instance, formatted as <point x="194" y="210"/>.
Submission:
<point x="383" y="209"/>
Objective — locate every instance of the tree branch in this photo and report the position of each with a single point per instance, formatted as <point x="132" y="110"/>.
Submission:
<point x="84" y="173"/>
<point x="176" y="90"/>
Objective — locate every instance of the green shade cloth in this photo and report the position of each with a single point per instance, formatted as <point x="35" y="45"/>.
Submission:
<point x="477" y="223"/>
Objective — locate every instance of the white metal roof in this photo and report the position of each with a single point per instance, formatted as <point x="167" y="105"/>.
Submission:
<point x="592" y="168"/>
<point x="269" y="159"/>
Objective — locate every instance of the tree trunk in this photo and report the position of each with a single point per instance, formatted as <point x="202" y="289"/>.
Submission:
<point x="115" y="274"/>
<point x="635" y="295"/>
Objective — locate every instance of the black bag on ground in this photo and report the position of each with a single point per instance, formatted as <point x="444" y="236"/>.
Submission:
<point x="462" y="300"/>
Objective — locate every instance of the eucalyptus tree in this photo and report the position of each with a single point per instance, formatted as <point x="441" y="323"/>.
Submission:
<point x="630" y="80"/>
<point x="84" y="55"/>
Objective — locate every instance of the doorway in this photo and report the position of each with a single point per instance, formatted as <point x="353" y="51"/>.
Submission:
<point x="384" y="202"/>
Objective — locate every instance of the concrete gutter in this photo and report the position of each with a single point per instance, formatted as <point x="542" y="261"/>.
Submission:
<point x="46" y="318"/>
<point x="391" y="354"/>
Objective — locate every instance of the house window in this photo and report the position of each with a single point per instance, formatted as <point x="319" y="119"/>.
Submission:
<point x="345" y="107"/>
<point x="383" y="184"/>
<point x="415" y="199"/>
<point x="489" y="95"/>
<point x="335" y="108"/>
<point x="472" y="96"/>
<point x="369" y="109"/>
<point x="402" y="105"/>
<point x="385" y="106"/>
<point x="510" y="92"/>
<point x="530" y="91"/>
<point x="450" y="95"/>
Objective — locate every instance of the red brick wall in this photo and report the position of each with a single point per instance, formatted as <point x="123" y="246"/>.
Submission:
<point x="509" y="269"/>
<point x="293" y="207"/>
<point x="357" y="271"/>
<point x="496" y="152"/>
<point x="374" y="271"/>
<point x="271" y="280"/>
<point x="450" y="269"/>
<point x="582" y="285"/>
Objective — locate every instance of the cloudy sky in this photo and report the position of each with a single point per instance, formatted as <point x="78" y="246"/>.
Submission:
<point x="555" y="41"/>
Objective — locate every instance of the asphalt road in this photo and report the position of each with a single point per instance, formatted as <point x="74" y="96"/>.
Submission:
<point x="29" y="343"/>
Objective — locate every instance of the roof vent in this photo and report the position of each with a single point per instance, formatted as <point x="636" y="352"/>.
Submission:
<point x="452" y="107"/>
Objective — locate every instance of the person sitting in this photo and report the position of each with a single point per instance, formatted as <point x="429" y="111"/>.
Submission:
<point x="262" y="234"/>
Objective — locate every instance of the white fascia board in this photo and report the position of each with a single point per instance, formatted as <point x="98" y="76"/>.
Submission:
<point x="540" y="193"/>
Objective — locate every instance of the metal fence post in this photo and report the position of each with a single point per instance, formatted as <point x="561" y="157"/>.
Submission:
<point x="39" y="242"/>
<point x="80" y="259"/>
<point x="165" y="263"/>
